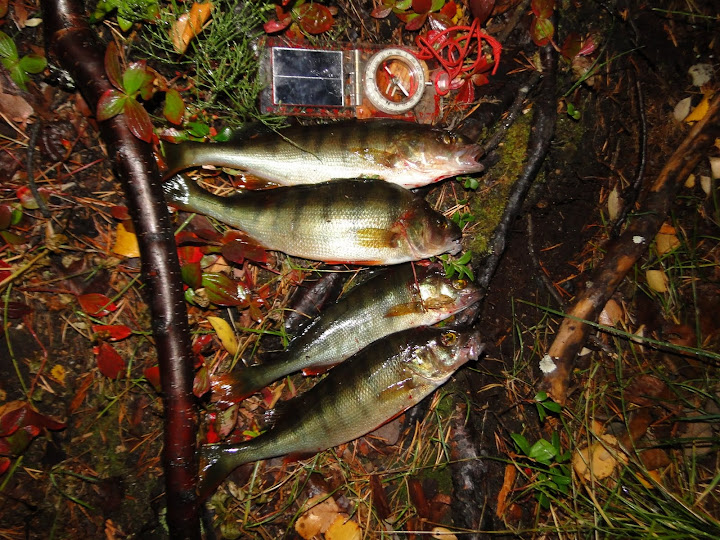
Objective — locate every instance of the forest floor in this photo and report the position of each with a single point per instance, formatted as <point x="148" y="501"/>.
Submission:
<point x="80" y="415"/>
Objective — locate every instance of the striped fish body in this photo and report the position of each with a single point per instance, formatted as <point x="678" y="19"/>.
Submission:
<point x="404" y="153"/>
<point x="395" y="300"/>
<point x="356" y="397"/>
<point x="363" y="221"/>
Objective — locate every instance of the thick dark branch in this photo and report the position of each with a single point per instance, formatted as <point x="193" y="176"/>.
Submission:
<point x="538" y="146"/>
<point x="72" y="43"/>
<point x="624" y="252"/>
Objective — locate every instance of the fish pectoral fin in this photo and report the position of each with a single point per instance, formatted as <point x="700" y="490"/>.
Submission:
<point x="438" y="301"/>
<point x="405" y="309"/>
<point x="374" y="237"/>
<point x="400" y="387"/>
<point x="379" y="157"/>
<point x="311" y="371"/>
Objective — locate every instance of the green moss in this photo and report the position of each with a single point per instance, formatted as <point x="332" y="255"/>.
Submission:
<point x="489" y="204"/>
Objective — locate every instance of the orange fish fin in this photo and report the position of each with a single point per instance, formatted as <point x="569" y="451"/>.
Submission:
<point x="311" y="371"/>
<point x="297" y="456"/>
<point x="380" y="157"/>
<point x="399" y="387"/>
<point x="438" y="301"/>
<point x="405" y="309"/>
<point x="374" y="237"/>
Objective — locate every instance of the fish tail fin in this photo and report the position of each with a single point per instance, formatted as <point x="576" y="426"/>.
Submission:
<point x="179" y="189"/>
<point x="240" y="384"/>
<point x="217" y="461"/>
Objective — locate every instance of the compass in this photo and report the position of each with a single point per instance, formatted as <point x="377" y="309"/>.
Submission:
<point x="394" y="80"/>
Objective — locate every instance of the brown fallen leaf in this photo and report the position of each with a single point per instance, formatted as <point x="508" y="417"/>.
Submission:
<point x="343" y="528"/>
<point x="599" y="459"/>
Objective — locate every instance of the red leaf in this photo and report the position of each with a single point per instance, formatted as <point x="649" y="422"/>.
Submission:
<point x="110" y="104"/>
<point x="96" y="304"/>
<point x="120" y="212"/>
<point x="112" y="65"/>
<point x="5" y="270"/>
<point x="12" y="416"/>
<point x="14" y="310"/>
<point x="415" y="22"/>
<point x="571" y="46"/>
<point x="111" y="332"/>
<point x="5" y="216"/>
<point x="541" y="31"/>
<point x="450" y="9"/>
<point x="481" y="9"/>
<point x="238" y="246"/>
<point x="201" y="383"/>
<point x="174" y="109"/>
<point x="422" y="6"/>
<point x="138" y="120"/>
<point x="201" y="342"/>
<point x="152" y="374"/>
<point x="109" y="362"/>
<point x="315" y="18"/>
<point x="381" y="12"/>
<point x="4" y="465"/>
<point x="221" y="290"/>
<point x="273" y="26"/>
<point x="189" y="254"/>
<point x="542" y="9"/>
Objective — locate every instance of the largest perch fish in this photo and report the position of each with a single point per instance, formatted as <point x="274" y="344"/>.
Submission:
<point x="404" y="153"/>
<point x="359" y="221"/>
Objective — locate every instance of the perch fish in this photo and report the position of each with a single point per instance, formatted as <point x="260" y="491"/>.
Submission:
<point x="402" y="297"/>
<point x="360" y="221"/>
<point x="404" y="153"/>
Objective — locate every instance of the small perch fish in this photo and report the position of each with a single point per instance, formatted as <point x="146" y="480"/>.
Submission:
<point x="360" y="221"/>
<point x="356" y="397"/>
<point x="403" y="153"/>
<point x="395" y="300"/>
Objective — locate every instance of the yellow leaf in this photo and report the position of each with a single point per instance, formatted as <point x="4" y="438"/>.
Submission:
<point x="126" y="244"/>
<point x="343" y="528"/>
<point x="699" y="112"/>
<point x="599" y="459"/>
<point x="319" y="518"/>
<point x="666" y="240"/>
<point x="189" y="25"/>
<point x="657" y="280"/>
<point x="58" y="373"/>
<point x="225" y="333"/>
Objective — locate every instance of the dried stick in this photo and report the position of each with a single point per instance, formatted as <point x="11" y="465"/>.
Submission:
<point x="77" y="49"/>
<point x="623" y="252"/>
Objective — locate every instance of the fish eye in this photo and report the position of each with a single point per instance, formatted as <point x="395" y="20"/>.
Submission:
<point x="448" y="338"/>
<point x="459" y="284"/>
<point x="447" y="138"/>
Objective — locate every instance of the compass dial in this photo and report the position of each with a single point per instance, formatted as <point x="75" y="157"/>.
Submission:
<point x="394" y="80"/>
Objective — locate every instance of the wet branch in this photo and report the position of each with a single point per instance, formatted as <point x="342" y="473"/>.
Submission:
<point x="623" y="252"/>
<point x="75" y="47"/>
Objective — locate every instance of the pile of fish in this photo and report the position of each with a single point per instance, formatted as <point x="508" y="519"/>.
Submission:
<point x="343" y="197"/>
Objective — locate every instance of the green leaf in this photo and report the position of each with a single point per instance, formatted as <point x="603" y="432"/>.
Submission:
<point x="542" y="451"/>
<point x="7" y="46"/>
<point x="541" y="31"/>
<point x="521" y="442"/>
<point x="174" y="109"/>
<point x="471" y="183"/>
<point x="224" y="291"/>
<point x="138" y="120"/>
<point x="465" y="258"/>
<point x="134" y="78"/>
<point x="403" y="5"/>
<point x="191" y="274"/>
<point x="110" y="104"/>
<point x="33" y="63"/>
<point x="18" y="75"/>
<point x="124" y="24"/>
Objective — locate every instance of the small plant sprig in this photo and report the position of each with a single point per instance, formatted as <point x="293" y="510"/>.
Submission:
<point x="545" y="405"/>
<point x="128" y="11"/>
<point x="414" y="13"/>
<point x="19" y="68"/>
<point x="461" y="266"/>
<point x="548" y="466"/>
<point x="137" y="80"/>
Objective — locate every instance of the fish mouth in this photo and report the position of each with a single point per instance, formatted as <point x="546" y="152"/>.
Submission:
<point x="469" y="158"/>
<point x="474" y="345"/>
<point x="454" y="246"/>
